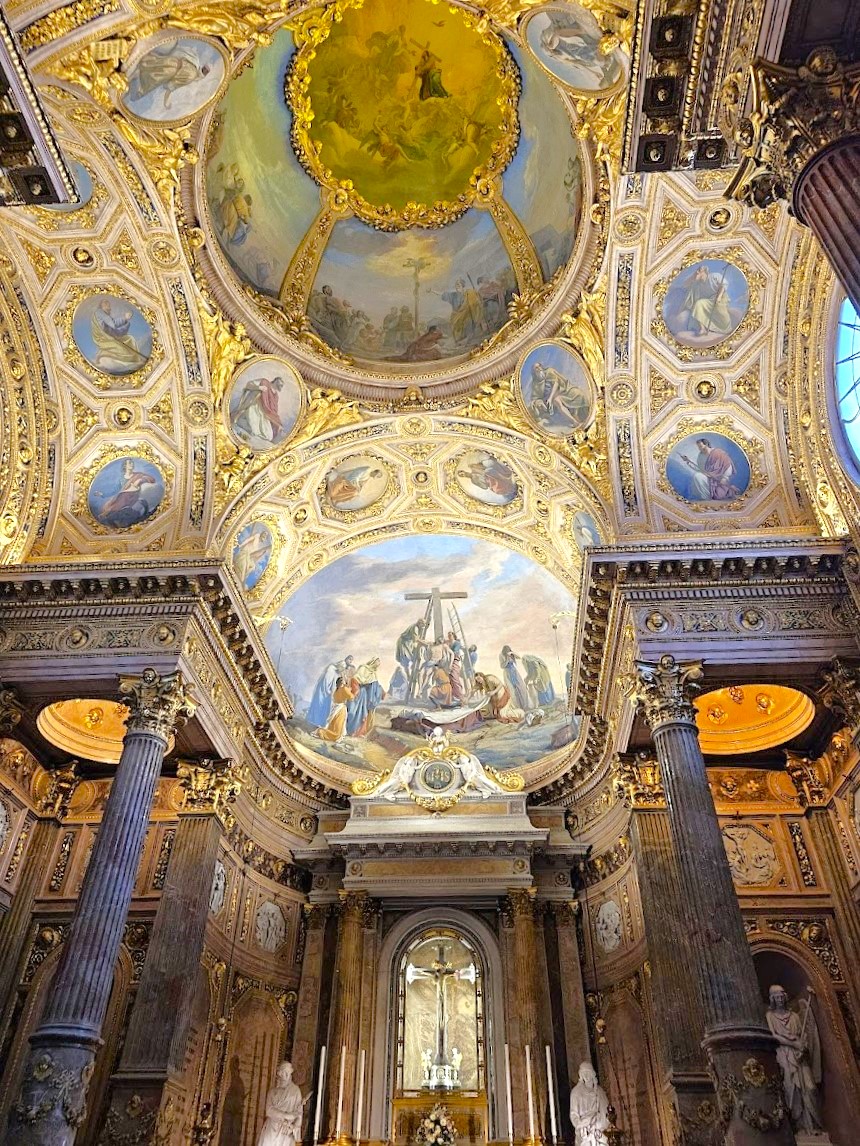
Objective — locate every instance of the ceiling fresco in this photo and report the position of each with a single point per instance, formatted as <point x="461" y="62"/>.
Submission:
<point x="362" y="339"/>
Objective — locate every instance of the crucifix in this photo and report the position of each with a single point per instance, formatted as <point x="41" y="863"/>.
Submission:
<point x="435" y="598"/>
<point x="441" y="970"/>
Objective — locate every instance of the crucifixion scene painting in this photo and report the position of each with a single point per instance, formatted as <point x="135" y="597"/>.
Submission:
<point x="410" y="634"/>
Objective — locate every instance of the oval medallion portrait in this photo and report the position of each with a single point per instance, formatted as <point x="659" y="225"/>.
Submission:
<point x="112" y="334"/>
<point x="264" y="403"/>
<point x="706" y="302"/>
<point x="486" y="478"/>
<point x="355" y="483"/>
<point x="567" y="41"/>
<point x="174" y="78"/>
<point x="252" y="553"/>
<point x="125" y="492"/>
<point x="708" y="469"/>
<point x="556" y="389"/>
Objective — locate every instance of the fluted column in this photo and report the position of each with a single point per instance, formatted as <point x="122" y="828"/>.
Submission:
<point x="154" y="1047"/>
<point x="801" y="142"/>
<point x="520" y="907"/>
<point x="569" y="1018"/>
<point x="357" y="911"/>
<point x="740" y="1048"/>
<point x="52" y="1103"/>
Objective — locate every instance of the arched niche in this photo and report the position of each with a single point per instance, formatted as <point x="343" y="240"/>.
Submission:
<point x="381" y="1078"/>
<point x="626" y="1070"/>
<point x="788" y="964"/>
<point x="252" y="1059"/>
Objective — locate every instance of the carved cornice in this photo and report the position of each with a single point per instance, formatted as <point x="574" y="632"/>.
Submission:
<point x="209" y="785"/>
<point x="796" y="114"/>
<point x="663" y="692"/>
<point x="638" y="783"/>
<point x="157" y="704"/>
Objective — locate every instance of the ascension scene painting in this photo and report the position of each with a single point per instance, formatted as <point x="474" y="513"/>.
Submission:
<point x="386" y="291"/>
<point x="404" y="635"/>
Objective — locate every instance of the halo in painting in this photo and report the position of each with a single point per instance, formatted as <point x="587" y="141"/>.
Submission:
<point x="708" y="469"/>
<point x="565" y="39"/>
<point x="112" y="334"/>
<point x="706" y="302"/>
<point x="585" y="532"/>
<point x="486" y="477"/>
<point x="125" y="492"/>
<point x="421" y="631"/>
<point x="264" y="403"/>
<point x="252" y="552"/>
<point x="556" y="389"/>
<point x="174" y="78"/>
<point x="355" y="483"/>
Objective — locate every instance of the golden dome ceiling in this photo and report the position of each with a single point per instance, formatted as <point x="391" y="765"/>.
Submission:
<point x="751" y="717"/>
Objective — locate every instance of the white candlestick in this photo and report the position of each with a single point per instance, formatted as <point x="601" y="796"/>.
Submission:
<point x="340" y="1092"/>
<point x="360" y="1107"/>
<point x="531" y="1093"/>
<point x="320" y="1092"/>
<point x="509" y="1096"/>
<point x="551" y="1096"/>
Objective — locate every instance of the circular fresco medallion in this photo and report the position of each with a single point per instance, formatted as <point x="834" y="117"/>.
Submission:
<point x="125" y="492"/>
<point x="252" y="553"/>
<point x="556" y="389"/>
<point x="112" y="334"/>
<point x="403" y="108"/>
<point x="486" y="478"/>
<point x="585" y="532"/>
<point x="705" y="303"/>
<point x="84" y="184"/>
<point x="566" y="40"/>
<point x="355" y="483"/>
<point x="264" y="403"/>
<point x="174" y="78"/>
<point x="708" y="468"/>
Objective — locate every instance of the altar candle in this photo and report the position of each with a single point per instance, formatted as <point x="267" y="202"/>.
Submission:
<point x="340" y="1092"/>
<point x="531" y="1093"/>
<point x="360" y="1108"/>
<point x="510" y="1099"/>
<point x="552" y="1122"/>
<point x="320" y="1092"/>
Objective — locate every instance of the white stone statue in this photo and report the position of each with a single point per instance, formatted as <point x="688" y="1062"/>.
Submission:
<point x="284" y="1108"/>
<point x="798" y="1055"/>
<point x="588" y="1109"/>
<point x="400" y="778"/>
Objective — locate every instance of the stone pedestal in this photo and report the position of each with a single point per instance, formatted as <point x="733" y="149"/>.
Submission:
<point x="740" y="1048"/>
<point x="52" y="1103"/>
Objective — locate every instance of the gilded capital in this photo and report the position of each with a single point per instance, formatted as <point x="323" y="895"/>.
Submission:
<point x="663" y="692"/>
<point x="157" y="704"/>
<point x="357" y="907"/>
<point x="796" y="113"/>
<point x="841" y="691"/>
<point x="519" y="903"/>
<point x="638" y="783"/>
<point x="61" y="785"/>
<point x="209" y="785"/>
<point x="803" y="773"/>
<point x="10" y="709"/>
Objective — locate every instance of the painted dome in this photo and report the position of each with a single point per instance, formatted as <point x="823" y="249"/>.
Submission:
<point x="400" y="189"/>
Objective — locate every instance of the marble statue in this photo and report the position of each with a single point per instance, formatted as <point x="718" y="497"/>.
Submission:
<point x="284" y="1106"/>
<point x="589" y="1109"/>
<point x="798" y="1055"/>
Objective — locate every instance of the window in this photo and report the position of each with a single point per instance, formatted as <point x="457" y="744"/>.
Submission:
<point x="847" y="378"/>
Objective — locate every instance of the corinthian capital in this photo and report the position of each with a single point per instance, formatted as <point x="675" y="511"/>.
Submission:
<point x="209" y="785"/>
<point x="10" y="709"/>
<point x="157" y="704"/>
<point x="841" y="692"/>
<point x="663" y="692"/>
<point x="796" y="113"/>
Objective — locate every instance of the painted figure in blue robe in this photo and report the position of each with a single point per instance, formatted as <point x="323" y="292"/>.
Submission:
<point x="319" y="709"/>
<point x="367" y="695"/>
<point x="538" y="680"/>
<point x="514" y="678"/>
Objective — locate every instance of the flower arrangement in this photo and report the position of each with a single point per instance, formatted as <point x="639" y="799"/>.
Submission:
<point x="436" y="1128"/>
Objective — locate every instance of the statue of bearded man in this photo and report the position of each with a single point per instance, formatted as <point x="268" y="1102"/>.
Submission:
<point x="284" y="1106"/>
<point x="588" y="1109"/>
<point x="798" y="1055"/>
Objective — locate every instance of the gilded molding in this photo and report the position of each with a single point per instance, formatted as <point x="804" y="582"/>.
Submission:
<point x="638" y="783"/>
<point x="209" y="785"/>
<point x="157" y="704"/>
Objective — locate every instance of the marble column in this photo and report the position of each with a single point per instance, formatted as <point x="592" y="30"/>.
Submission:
<point x="520" y="908"/>
<point x="52" y="1103"/>
<point x="569" y="1018"/>
<point x="153" y="1052"/>
<point x="688" y="1092"/>
<point x="740" y="1048"/>
<point x="314" y="1002"/>
<point x="357" y="911"/>
<point x="801" y="142"/>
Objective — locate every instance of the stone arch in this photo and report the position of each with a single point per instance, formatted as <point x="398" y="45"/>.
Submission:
<point x="382" y="1066"/>
<point x="787" y="962"/>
